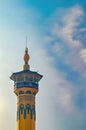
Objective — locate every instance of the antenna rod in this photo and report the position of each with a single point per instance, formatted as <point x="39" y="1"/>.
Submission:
<point x="26" y="41"/>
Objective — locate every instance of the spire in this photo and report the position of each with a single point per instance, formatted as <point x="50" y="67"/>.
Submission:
<point x="26" y="41"/>
<point x="26" y="59"/>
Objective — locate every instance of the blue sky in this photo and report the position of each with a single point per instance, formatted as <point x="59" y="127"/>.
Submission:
<point x="56" y="33"/>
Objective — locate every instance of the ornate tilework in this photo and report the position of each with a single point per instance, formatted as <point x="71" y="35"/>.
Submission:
<point x="27" y="109"/>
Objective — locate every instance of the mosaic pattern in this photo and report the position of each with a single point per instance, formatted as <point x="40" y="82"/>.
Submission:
<point x="24" y="110"/>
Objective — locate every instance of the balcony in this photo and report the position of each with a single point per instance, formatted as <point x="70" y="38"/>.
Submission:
<point x="26" y="85"/>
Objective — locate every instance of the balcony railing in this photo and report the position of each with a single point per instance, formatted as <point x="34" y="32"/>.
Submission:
<point x="25" y="84"/>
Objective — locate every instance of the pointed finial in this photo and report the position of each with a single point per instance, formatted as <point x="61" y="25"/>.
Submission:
<point x="26" y="58"/>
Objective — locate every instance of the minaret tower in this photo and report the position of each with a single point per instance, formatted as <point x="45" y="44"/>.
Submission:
<point x="26" y="88"/>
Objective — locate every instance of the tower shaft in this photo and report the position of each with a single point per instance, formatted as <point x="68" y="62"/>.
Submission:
<point x="26" y="87"/>
<point x="26" y="114"/>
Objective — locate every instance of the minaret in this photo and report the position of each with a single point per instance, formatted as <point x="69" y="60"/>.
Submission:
<point x="26" y="88"/>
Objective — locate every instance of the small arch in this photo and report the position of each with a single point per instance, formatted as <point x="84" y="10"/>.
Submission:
<point x="28" y="92"/>
<point x="21" y="108"/>
<point x="21" y="92"/>
<point x="28" y="108"/>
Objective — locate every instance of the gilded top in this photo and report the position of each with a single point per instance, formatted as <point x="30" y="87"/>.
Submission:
<point x="26" y="59"/>
<point x="26" y="56"/>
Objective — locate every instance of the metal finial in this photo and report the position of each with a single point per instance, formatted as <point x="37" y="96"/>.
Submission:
<point x="26" y="41"/>
<point x="26" y="58"/>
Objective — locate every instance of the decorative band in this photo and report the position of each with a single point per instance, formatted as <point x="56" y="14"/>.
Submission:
<point x="26" y="109"/>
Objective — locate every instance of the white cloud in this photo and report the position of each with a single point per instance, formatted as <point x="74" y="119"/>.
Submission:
<point x="67" y="46"/>
<point x="65" y="27"/>
<point x="57" y="89"/>
<point x="64" y="96"/>
<point x="64" y="37"/>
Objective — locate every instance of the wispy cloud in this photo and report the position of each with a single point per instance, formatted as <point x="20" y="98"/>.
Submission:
<point x="64" y="96"/>
<point x="66" y="29"/>
<point x="63" y="36"/>
<point x="67" y="47"/>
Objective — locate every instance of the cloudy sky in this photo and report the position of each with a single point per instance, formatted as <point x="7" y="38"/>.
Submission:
<point x="56" y="33"/>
